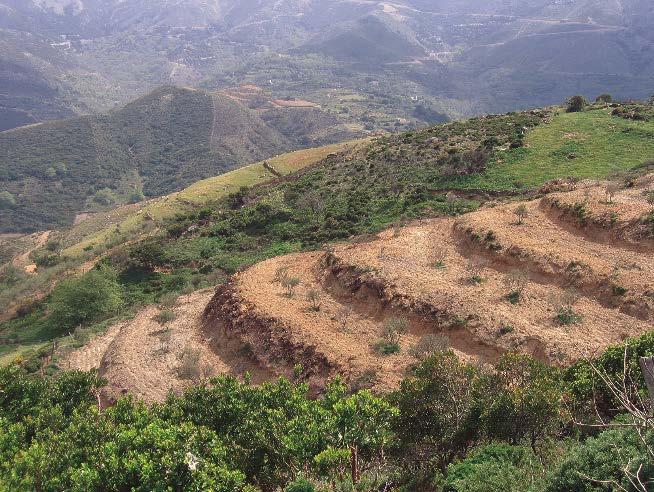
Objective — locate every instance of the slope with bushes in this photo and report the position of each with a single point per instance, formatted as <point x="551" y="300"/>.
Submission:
<point x="158" y="144"/>
<point x="411" y="300"/>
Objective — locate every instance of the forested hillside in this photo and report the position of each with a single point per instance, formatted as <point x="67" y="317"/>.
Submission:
<point x="153" y="146"/>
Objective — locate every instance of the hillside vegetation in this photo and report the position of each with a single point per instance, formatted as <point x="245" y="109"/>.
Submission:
<point x="222" y="224"/>
<point x="427" y="313"/>
<point x="77" y="248"/>
<point x="153" y="146"/>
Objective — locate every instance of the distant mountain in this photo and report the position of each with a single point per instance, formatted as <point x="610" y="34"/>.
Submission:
<point x="160" y="143"/>
<point x="379" y="62"/>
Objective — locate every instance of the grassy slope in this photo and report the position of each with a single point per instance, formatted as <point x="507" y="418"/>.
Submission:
<point x="202" y="192"/>
<point x="130" y="220"/>
<point x="601" y="144"/>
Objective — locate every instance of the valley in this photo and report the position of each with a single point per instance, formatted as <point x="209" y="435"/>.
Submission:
<point x="386" y="65"/>
<point x="326" y="245"/>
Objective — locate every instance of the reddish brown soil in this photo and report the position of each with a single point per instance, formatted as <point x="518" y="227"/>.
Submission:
<point x="423" y="273"/>
<point x="397" y="274"/>
<point x="620" y="219"/>
<point x="143" y="358"/>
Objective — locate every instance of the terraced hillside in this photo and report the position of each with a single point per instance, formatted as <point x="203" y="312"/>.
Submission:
<point x="451" y="277"/>
<point x="196" y="238"/>
<point x="483" y="284"/>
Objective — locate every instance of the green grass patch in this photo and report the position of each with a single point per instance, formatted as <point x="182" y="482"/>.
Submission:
<point x="592" y="144"/>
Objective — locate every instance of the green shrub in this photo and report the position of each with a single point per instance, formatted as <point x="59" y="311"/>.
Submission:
<point x="576" y="104"/>
<point x="429" y="345"/>
<point x="7" y="200"/>
<point x="565" y="315"/>
<point x="164" y="317"/>
<point x="81" y="301"/>
<point x="494" y="468"/>
<point x="604" y="458"/>
<point x="384" y="347"/>
<point x="300" y="485"/>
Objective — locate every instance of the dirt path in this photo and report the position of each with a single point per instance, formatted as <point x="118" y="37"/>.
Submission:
<point x="23" y="260"/>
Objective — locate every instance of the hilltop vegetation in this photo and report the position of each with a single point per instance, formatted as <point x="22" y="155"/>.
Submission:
<point x="153" y="146"/>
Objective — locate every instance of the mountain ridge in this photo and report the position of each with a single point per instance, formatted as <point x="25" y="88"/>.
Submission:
<point x="157" y="144"/>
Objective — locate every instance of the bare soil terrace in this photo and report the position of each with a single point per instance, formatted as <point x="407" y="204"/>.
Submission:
<point x="446" y="276"/>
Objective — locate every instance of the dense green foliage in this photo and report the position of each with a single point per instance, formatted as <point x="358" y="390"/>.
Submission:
<point x="155" y="145"/>
<point x="438" y="432"/>
<point x="81" y="301"/>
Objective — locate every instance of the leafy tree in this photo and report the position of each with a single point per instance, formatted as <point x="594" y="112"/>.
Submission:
<point x="136" y="197"/>
<point x="300" y="485"/>
<point x="362" y="423"/>
<point x="89" y="298"/>
<point x="104" y="197"/>
<point x="587" y="392"/>
<point x="604" y="98"/>
<point x="576" y="104"/>
<point x="494" y="468"/>
<point x="147" y="255"/>
<point x="439" y="416"/>
<point x="127" y="448"/>
<point x="601" y="463"/>
<point x="10" y="275"/>
<point x="522" y="400"/>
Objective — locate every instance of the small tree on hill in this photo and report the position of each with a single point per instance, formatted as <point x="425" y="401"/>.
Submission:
<point x="7" y="200"/>
<point x="604" y="98"/>
<point x="565" y="313"/>
<point x="649" y="197"/>
<point x="391" y="333"/>
<point x="475" y="272"/>
<point x="576" y="104"/>
<point x="439" y="257"/>
<point x="343" y="316"/>
<point x="87" y="299"/>
<point x="522" y="213"/>
<point x="290" y="283"/>
<point x="313" y="296"/>
<point x="280" y="274"/>
<point x="611" y="189"/>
